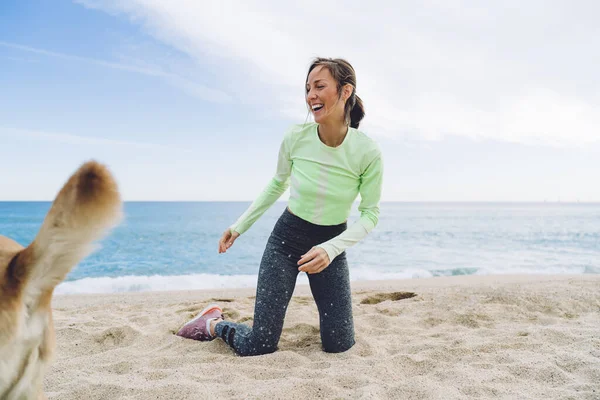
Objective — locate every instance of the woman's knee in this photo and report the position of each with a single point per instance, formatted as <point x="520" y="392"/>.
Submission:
<point x="338" y="347"/>
<point x="249" y="351"/>
<point x="338" y="339"/>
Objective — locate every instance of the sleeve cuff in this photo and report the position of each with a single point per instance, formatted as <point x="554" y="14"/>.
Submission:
<point x="330" y="250"/>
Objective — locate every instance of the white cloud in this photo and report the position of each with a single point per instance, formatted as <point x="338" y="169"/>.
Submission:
<point x="510" y="71"/>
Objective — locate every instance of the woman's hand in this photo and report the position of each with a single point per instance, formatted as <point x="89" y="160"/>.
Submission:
<point x="315" y="261"/>
<point x="227" y="240"/>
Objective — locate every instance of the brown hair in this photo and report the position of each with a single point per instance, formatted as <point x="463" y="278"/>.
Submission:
<point x="343" y="73"/>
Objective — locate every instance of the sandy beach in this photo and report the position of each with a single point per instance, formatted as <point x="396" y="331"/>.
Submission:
<point x="465" y="337"/>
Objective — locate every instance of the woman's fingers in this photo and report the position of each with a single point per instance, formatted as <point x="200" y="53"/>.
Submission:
<point x="227" y="240"/>
<point x="314" y="261"/>
<point x="223" y="241"/>
<point x="307" y="257"/>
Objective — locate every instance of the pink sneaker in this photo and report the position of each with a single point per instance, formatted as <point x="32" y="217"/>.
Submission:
<point x="199" y="327"/>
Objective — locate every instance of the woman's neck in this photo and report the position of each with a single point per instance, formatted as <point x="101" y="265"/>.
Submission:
<point x="332" y="134"/>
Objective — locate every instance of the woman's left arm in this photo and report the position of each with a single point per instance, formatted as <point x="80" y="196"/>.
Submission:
<point x="321" y="255"/>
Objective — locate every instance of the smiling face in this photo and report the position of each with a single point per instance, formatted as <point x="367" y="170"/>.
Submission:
<point x="323" y="97"/>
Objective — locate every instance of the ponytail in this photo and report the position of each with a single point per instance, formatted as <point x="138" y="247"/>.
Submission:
<point x="355" y="111"/>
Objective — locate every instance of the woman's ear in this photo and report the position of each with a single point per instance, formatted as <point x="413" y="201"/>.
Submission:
<point x="347" y="90"/>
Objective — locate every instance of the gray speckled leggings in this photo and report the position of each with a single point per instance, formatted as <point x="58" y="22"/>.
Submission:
<point x="292" y="237"/>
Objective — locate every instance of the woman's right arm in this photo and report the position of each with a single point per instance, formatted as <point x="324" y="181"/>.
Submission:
<point x="273" y="191"/>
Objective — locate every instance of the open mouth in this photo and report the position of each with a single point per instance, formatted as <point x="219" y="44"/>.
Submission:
<point x="317" y="107"/>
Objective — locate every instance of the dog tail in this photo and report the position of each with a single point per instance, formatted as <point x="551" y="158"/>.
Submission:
<point x="85" y="209"/>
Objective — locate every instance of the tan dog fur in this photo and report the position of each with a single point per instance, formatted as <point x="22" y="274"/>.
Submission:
<point x="87" y="206"/>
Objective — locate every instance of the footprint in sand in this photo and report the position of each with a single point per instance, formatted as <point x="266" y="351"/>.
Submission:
<point x="119" y="368"/>
<point x="394" y="296"/>
<point x="116" y="336"/>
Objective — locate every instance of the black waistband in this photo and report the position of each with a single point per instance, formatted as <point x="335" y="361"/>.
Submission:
<point x="296" y="222"/>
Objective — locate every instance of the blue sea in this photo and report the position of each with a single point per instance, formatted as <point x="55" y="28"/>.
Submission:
<point x="173" y="245"/>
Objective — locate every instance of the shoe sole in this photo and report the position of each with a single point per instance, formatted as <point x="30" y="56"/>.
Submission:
<point x="206" y="310"/>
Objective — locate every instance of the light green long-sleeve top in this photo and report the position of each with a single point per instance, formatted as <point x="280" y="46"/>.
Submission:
<point x="325" y="181"/>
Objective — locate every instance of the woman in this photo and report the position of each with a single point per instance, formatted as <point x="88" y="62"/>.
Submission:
<point x="328" y="163"/>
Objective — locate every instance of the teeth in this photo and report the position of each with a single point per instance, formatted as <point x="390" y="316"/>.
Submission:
<point x="315" y="106"/>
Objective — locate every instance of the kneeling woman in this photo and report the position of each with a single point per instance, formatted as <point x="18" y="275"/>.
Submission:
<point x="328" y="163"/>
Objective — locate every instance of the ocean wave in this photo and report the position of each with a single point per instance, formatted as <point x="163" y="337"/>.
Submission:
<point x="138" y="283"/>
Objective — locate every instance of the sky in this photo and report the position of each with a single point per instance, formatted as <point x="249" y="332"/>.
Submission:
<point x="189" y="100"/>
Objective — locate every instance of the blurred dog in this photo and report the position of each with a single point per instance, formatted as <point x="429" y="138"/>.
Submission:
<point x="87" y="206"/>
